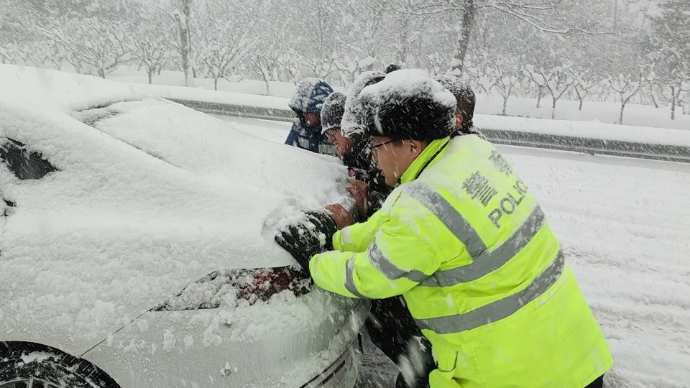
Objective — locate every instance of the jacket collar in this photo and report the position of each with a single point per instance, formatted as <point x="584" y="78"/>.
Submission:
<point x="424" y="159"/>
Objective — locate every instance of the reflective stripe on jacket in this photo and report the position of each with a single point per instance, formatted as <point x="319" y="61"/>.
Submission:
<point x="466" y="244"/>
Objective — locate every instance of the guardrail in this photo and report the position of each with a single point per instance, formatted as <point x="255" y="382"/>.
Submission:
<point x="592" y="146"/>
<point x="251" y="112"/>
<point x="666" y="152"/>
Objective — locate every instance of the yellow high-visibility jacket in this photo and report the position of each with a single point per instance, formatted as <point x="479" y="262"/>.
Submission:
<point x="465" y="243"/>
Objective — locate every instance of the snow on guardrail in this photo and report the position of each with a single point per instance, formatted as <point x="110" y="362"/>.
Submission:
<point x="588" y="137"/>
<point x="76" y="92"/>
<point x="577" y="136"/>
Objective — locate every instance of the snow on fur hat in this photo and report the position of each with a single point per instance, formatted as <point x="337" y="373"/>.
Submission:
<point x="460" y="89"/>
<point x="309" y="95"/>
<point x="332" y="111"/>
<point x="464" y="95"/>
<point x="409" y="104"/>
<point x="353" y="119"/>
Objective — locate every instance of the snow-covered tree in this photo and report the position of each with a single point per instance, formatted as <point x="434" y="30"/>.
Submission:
<point x="225" y="38"/>
<point x="20" y="43"/>
<point x="177" y="15"/>
<point x="438" y="64"/>
<point x="17" y="24"/>
<point x="538" y="14"/>
<point x="668" y="47"/>
<point x="350" y="68"/>
<point x="291" y="64"/>
<point x="556" y="81"/>
<point x="183" y="16"/>
<point x="627" y="86"/>
<point x="583" y="85"/>
<point x="508" y="76"/>
<point x="149" y="47"/>
<point x="410" y="31"/>
<point x="674" y="91"/>
<point x="316" y="38"/>
<point x="366" y="37"/>
<point x="487" y="80"/>
<point x="96" y="42"/>
<point x="539" y="83"/>
<point x="55" y="55"/>
<point x="32" y="53"/>
<point x="264" y="61"/>
<point x="321" y="66"/>
<point x="8" y="54"/>
<point x="265" y="56"/>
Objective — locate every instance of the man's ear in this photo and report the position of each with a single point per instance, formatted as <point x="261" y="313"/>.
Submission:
<point x="416" y="147"/>
<point x="459" y="120"/>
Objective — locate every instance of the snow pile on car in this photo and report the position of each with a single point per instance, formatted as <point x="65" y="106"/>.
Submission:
<point x="148" y="197"/>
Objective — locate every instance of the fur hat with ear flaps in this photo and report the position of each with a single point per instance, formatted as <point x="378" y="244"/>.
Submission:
<point x="353" y="122"/>
<point x="332" y="111"/>
<point x="408" y="104"/>
<point x="463" y="94"/>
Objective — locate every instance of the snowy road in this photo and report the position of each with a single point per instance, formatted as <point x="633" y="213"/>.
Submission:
<point x="624" y="225"/>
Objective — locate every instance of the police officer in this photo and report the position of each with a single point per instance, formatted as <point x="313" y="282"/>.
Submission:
<point x="464" y="241"/>
<point x="466" y="100"/>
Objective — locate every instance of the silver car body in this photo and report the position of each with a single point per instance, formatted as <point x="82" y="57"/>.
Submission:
<point x="150" y="197"/>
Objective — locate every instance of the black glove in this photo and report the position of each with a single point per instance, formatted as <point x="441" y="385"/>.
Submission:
<point x="303" y="240"/>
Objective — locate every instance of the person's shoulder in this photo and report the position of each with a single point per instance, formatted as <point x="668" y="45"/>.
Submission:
<point x="470" y="140"/>
<point x="298" y="128"/>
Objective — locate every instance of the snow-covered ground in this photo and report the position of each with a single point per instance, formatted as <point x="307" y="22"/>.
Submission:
<point x="596" y="112"/>
<point x="624" y="225"/>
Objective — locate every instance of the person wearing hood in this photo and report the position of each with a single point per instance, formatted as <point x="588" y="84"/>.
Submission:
<point x="465" y="242"/>
<point x="307" y="103"/>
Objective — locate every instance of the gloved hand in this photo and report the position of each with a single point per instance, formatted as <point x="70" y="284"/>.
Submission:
<point x="305" y="240"/>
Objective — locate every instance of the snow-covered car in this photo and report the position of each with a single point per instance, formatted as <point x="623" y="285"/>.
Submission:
<point x="137" y="246"/>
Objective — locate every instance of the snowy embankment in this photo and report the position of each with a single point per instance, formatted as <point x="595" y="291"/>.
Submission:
<point x="487" y="104"/>
<point x="591" y="130"/>
<point x="278" y="107"/>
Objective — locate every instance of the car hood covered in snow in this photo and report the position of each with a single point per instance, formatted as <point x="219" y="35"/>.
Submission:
<point x="148" y="197"/>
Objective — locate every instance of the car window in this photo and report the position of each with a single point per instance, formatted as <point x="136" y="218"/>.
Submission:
<point x="23" y="162"/>
<point x="93" y="115"/>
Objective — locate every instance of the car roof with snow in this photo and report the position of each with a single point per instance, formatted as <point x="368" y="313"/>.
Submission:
<point x="142" y="196"/>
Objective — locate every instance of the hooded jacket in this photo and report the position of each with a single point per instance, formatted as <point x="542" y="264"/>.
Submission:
<point x="309" y="98"/>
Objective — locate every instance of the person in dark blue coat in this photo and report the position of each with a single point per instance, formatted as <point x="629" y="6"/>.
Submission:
<point x="307" y="103"/>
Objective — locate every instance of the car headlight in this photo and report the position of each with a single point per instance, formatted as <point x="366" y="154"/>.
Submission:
<point x="230" y="287"/>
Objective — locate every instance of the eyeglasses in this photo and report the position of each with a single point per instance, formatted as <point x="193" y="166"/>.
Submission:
<point x="381" y="144"/>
